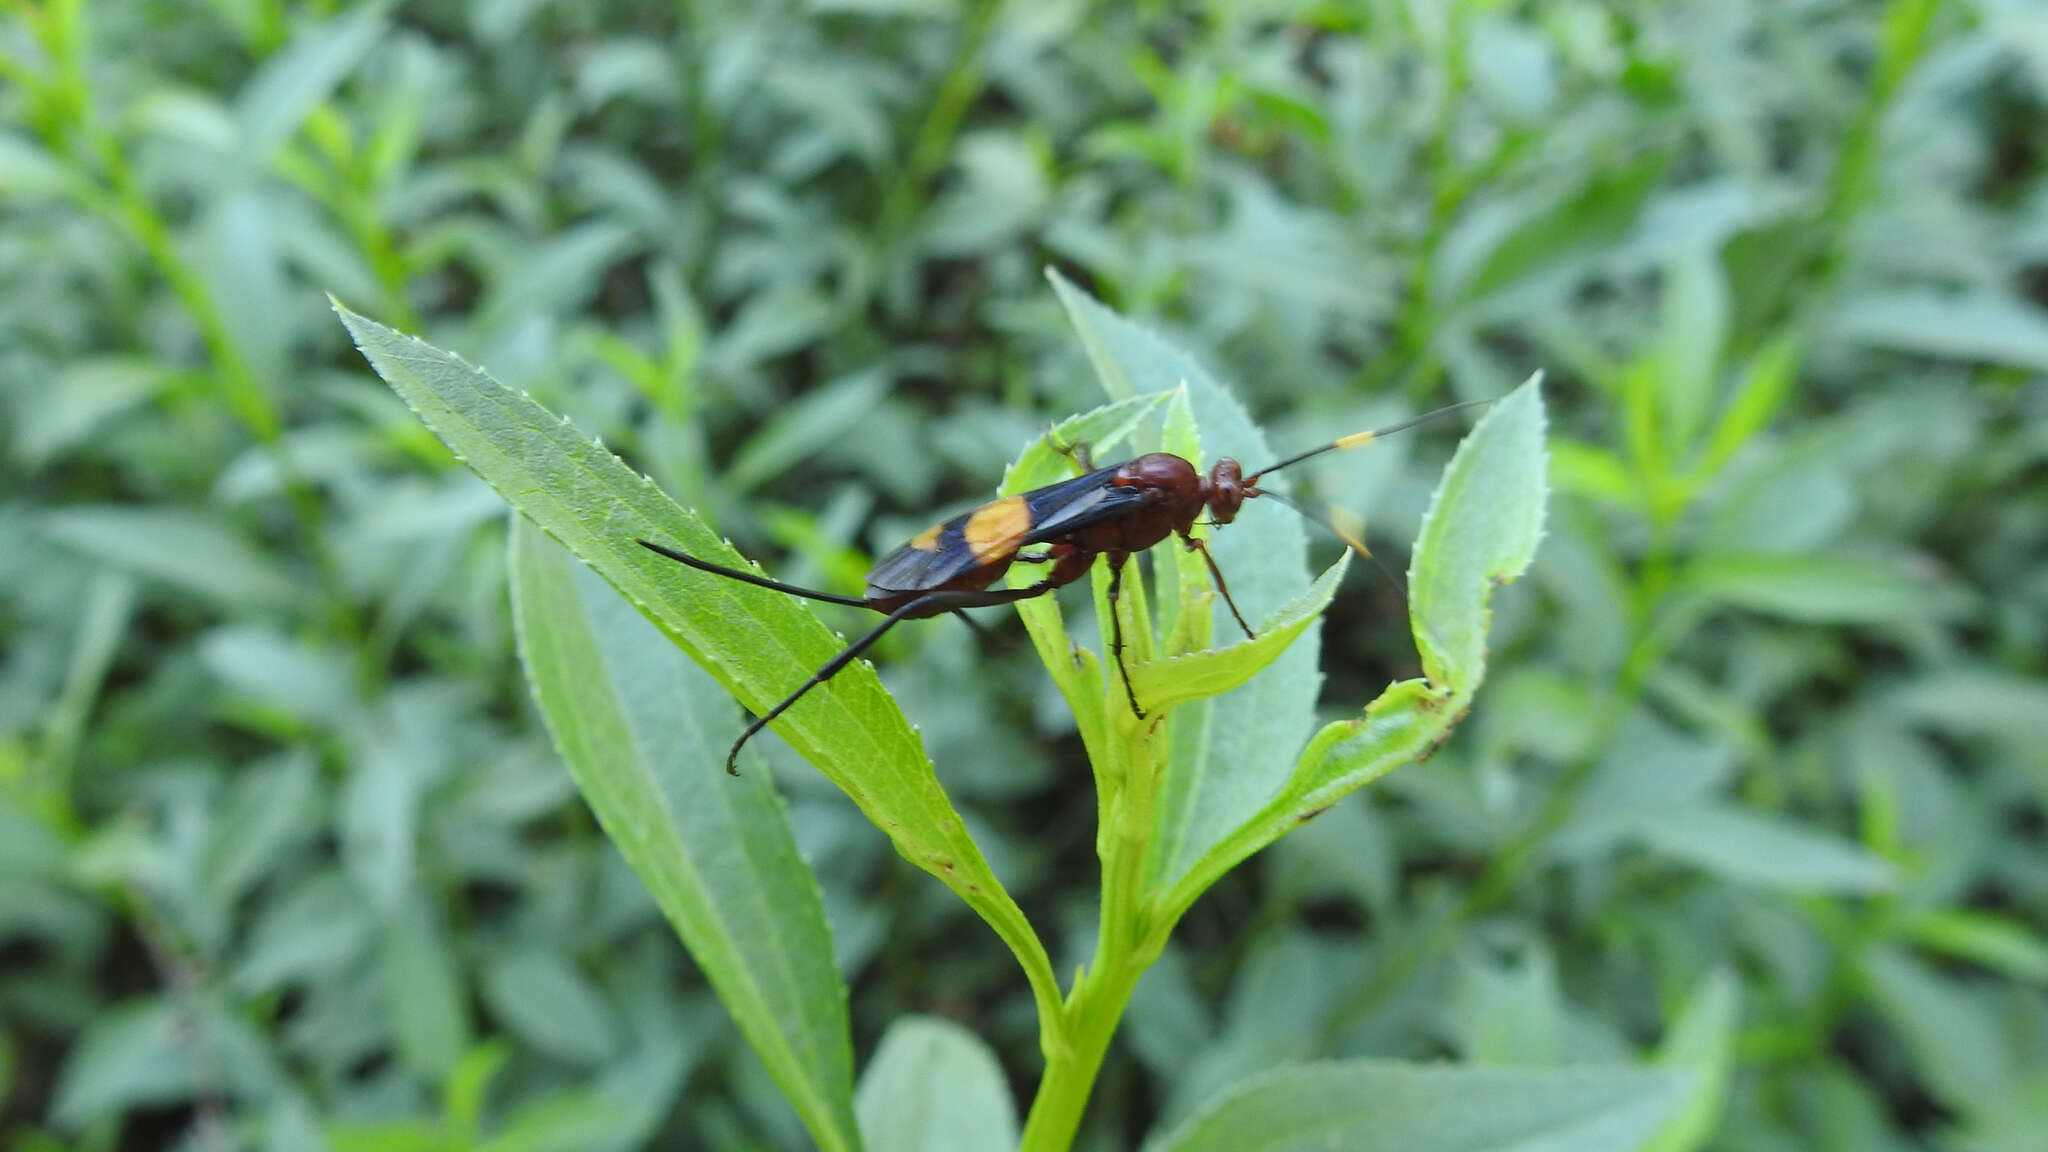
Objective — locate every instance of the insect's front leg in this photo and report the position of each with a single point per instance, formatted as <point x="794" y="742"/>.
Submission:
<point x="1193" y="543"/>
<point x="1116" y="627"/>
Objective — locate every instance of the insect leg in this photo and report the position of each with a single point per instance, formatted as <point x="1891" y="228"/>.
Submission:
<point x="971" y="622"/>
<point x="749" y="577"/>
<point x="929" y="604"/>
<point x="1116" y="627"/>
<point x="831" y="669"/>
<point x="1195" y="544"/>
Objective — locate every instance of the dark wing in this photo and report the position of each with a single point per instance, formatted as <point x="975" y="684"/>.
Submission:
<point x="935" y="556"/>
<point x="997" y="529"/>
<point x="1071" y="505"/>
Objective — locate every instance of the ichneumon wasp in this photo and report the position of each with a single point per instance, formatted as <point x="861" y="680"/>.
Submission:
<point x="1113" y="512"/>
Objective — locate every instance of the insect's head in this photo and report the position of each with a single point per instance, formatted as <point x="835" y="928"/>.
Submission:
<point x="1227" y="490"/>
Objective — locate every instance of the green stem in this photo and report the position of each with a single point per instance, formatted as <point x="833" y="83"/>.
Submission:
<point x="1903" y="40"/>
<point x="1131" y="933"/>
<point x="1092" y="1014"/>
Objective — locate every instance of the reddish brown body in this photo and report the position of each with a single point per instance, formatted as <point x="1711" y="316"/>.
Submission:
<point x="1172" y="496"/>
<point x="1113" y="512"/>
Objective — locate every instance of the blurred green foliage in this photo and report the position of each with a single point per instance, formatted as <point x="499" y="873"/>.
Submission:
<point x="1760" y="785"/>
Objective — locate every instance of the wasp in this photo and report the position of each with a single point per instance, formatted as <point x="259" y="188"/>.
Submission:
<point x="1109" y="513"/>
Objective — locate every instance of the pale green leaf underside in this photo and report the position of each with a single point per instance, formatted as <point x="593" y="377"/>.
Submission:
<point x="933" y="1086"/>
<point x="1482" y="529"/>
<point x="1212" y="671"/>
<point x="1484" y="523"/>
<point x="631" y="715"/>
<point x="1381" y="1106"/>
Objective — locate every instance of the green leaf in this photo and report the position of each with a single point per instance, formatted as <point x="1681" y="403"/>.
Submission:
<point x="1591" y="219"/>
<point x="1791" y="504"/>
<point x="1766" y="851"/>
<point x="423" y="991"/>
<point x="28" y="171"/>
<point x="1172" y="680"/>
<point x="1695" y="326"/>
<point x="1954" y="1032"/>
<point x="316" y="927"/>
<point x="999" y="189"/>
<point x="545" y="1001"/>
<point x="1702" y="1043"/>
<point x="1987" y="328"/>
<point x="795" y="432"/>
<point x="630" y="716"/>
<point x="565" y="1122"/>
<point x="310" y="684"/>
<point x="933" y="1086"/>
<point x="1978" y="701"/>
<point x="291" y="1126"/>
<point x="1992" y="941"/>
<point x="84" y="396"/>
<point x="293" y="82"/>
<point x="1378" y="1106"/>
<point x="1587" y="470"/>
<point x="756" y="643"/>
<point x="139" y="1055"/>
<point x="189" y="550"/>
<point x="1816" y="589"/>
<point x="378" y="818"/>
<point x="1759" y="395"/>
<point x="1507" y="1011"/>
<point x="390" y="1136"/>
<point x="462" y="1096"/>
<point x="1481" y="531"/>
<point x="267" y="808"/>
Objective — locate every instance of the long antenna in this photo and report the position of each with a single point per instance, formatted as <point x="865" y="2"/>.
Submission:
<point x="1351" y="531"/>
<point x="1358" y="438"/>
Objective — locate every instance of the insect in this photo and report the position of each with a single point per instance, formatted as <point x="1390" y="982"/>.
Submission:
<point x="1112" y="513"/>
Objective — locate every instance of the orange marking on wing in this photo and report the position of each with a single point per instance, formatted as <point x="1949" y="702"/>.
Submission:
<point x="928" y="540"/>
<point x="997" y="527"/>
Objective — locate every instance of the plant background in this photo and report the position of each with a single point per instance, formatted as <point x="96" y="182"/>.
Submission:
<point x="285" y="857"/>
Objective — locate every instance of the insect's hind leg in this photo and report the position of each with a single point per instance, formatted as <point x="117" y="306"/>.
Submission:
<point x="930" y="604"/>
<point x="685" y="558"/>
<point x="983" y="633"/>
<point x="831" y="669"/>
<point x="1019" y="558"/>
